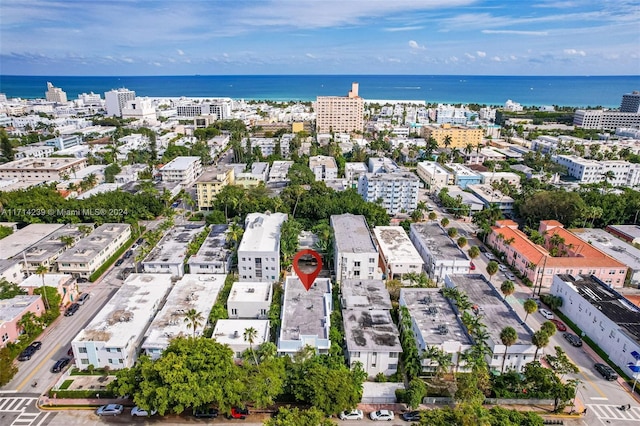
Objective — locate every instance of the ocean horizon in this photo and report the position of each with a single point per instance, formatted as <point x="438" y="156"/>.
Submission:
<point x="572" y="91"/>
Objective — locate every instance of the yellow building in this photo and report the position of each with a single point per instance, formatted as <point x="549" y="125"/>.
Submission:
<point x="460" y="136"/>
<point x="211" y="182"/>
<point x="340" y="114"/>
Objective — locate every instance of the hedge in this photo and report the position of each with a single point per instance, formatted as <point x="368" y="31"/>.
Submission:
<point x="84" y="393"/>
<point x="106" y="265"/>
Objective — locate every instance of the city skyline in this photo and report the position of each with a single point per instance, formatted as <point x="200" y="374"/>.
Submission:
<point x="327" y="37"/>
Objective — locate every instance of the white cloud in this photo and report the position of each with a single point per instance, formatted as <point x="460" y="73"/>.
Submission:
<point x="513" y="57"/>
<point x="414" y="45"/>
<point x="396" y="29"/>
<point x="157" y="64"/>
<point x="469" y="55"/>
<point x="309" y="55"/>
<point x="481" y="54"/>
<point x="574" y="52"/>
<point x="516" y="32"/>
<point x="180" y="52"/>
<point x="128" y="60"/>
<point x="496" y="59"/>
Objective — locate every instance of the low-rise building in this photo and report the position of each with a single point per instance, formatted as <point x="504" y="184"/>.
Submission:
<point x="628" y="233"/>
<point x="278" y="173"/>
<point x="41" y="169"/>
<point x="490" y="196"/>
<point x="65" y="284"/>
<point x="464" y="176"/>
<point x="249" y="300"/>
<point x="397" y="252"/>
<point x="211" y="182"/>
<point x="198" y="292"/>
<point x="231" y="332"/>
<point x="352" y="173"/>
<point x="442" y="256"/>
<point x="306" y="316"/>
<point x="615" y="172"/>
<point x="490" y="177"/>
<point x="364" y="294"/>
<point x="258" y="174"/>
<point x="168" y="256"/>
<point x="355" y="252"/>
<point x="214" y="255"/>
<point x="11" y="270"/>
<point x="434" y="175"/>
<point x="323" y="167"/>
<point x="184" y="170"/>
<point x="46" y="251"/>
<point x="259" y="250"/>
<point x="22" y="239"/>
<point x="113" y="337"/>
<point x="468" y="199"/>
<point x="11" y="312"/>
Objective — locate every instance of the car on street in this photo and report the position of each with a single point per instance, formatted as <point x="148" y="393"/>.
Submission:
<point x="489" y="256"/>
<point x="60" y="364"/>
<point x="141" y="412"/>
<point x="351" y="415"/>
<point x="411" y="416"/>
<point x="83" y="298"/>
<point x="237" y="413"/>
<point x="382" y="415"/>
<point x="472" y="266"/>
<point x="72" y="309"/>
<point x="559" y="325"/>
<point x="572" y="339"/>
<point x="606" y="371"/>
<point x="482" y="249"/>
<point x="205" y="413"/>
<point x="110" y="410"/>
<point x="509" y="276"/>
<point x="140" y="241"/>
<point x="35" y="345"/>
<point x="119" y="262"/>
<point x="134" y="246"/>
<point x="128" y="254"/>
<point x="502" y="268"/>
<point x="548" y="315"/>
<point x="26" y="354"/>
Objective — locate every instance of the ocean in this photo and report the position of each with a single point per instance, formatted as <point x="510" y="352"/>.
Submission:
<point x="578" y="91"/>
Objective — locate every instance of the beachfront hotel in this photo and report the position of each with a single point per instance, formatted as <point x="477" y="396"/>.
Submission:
<point x="340" y="113"/>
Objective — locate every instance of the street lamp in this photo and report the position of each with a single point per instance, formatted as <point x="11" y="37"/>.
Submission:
<point x="636" y="370"/>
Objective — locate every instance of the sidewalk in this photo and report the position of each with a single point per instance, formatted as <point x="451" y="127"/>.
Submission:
<point x="46" y="404"/>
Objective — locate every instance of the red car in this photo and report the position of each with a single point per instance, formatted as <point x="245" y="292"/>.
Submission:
<point x="472" y="267"/>
<point x="238" y="413"/>
<point x="559" y="325"/>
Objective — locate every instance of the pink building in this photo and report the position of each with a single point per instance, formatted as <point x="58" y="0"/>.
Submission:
<point x="12" y="311"/>
<point x="562" y="253"/>
<point x="66" y="285"/>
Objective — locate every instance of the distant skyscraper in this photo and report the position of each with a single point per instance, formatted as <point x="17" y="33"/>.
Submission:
<point x="55" y="94"/>
<point x="340" y="113"/>
<point x="630" y="102"/>
<point x="116" y="100"/>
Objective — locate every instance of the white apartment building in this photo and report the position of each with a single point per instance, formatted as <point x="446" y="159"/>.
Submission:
<point x="55" y="94"/>
<point x="464" y="176"/>
<point x="398" y="190"/>
<point x="113" y="337"/>
<point x="490" y="177"/>
<point x="258" y="174"/>
<point x="249" y="300"/>
<point x="141" y="109"/>
<point x="116" y="100"/>
<point x="355" y="253"/>
<point x="323" y="167"/>
<point x="361" y="294"/>
<point x="397" y="252"/>
<point x="353" y="171"/>
<point x="230" y="332"/>
<point x="306" y="316"/>
<point x="340" y="113"/>
<point x="64" y="141"/>
<point x="129" y="173"/>
<point x="168" y="256"/>
<point x="434" y="175"/>
<point x="623" y="173"/>
<point x="22" y="239"/>
<point x="197" y="292"/>
<point x="603" y="314"/>
<point x="441" y="255"/>
<point x="605" y="120"/>
<point x="46" y="251"/>
<point x="382" y="165"/>
<point x="184" y="170"/>
<point x="259" y="250"/>
<point x="490" y="196"/>
<point x="214" y="255"/>
<point x="219" y="108"/>
<point x="91" y="252"/>
<point x="33" y="151"/>
<point x="41" y="169"/>
<point x="278" y="173"/>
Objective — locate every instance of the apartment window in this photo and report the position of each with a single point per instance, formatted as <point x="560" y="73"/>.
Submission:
<point x="393" y="366"/>
<point x="356" y="264"/>
<point x="5" y="337"/>
<point x="234" y="311"/>
<point x="372" y="260"/>
<point x="82" y="350"/>
<point x="84" y="361"/>
<point x="355" y="354"/>
<point x="393" y="355"/>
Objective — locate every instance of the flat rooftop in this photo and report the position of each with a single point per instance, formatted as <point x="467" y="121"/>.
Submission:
<point x="179" y="163"/>
<point x="322" y="160"/>
<point x="632" y="232"/>
<point x="351" y="234"/>
<point x="51" y="245"/>
<point x="433" y="167"/>
<point x="371" y="330"/>
<point x="172" y="248"/>
<point x="90" y="246"/>
<point x="496" y="314"/>
<point x="279" y="170"/>
<point x="614" y="247"/>
<point x="488" y="193"/>
<point x="213" y="174"/>
<point x="99" y="189"/>
<point x="50" y="280"/>
<point x="434" y="315"/>
<point x="214" y="248"/>
<point x="305" y="312"/>
<point x="440" y="245"/>
<point x="127" y="314"/>
<point x="54" y="163"/>
<point x="197" y="292"/>
<point x="11" y="308"/>
<point x="364" y="294"/>
<point x="246" y="291"/>
<point x="23" y="238"/>
<point x="356" y="167"/>
<point x="395" y="245"/>
<point x="262" y="232"/>
<point x="461" y="170"/>
<point x="231" y="331"/>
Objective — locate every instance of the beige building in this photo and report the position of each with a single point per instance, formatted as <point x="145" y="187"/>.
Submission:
<point x="55" y="94"/>
<point x="42" y="169"/>
<point x="211" y="182"/>
<point x="340" y="113"/>
<point x="460" y="136"/>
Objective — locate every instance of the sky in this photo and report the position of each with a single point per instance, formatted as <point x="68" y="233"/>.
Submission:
<point x="253" y="37"/>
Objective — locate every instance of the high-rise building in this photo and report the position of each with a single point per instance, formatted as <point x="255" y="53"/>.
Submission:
<point x="55" y="94"/>
<point x="630" y="102"/>
<point x="340" y="113"/>
<point x="117" y="99"/>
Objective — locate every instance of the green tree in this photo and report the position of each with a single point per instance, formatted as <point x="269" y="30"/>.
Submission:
<point x="297" y="417"/>
<point x="561" y="364"/>
<point x="549" y="328"/>
<point x="42" y="270"/>
<point x="444" y="222"/>
<point x="473" y="252"/>
<point x="194" y="319"/>
<point x="9" y="290"/>
<point x="432" y="216"/>
<point x="530" y="306"/>
<point x="7" y="368"/>
<point x="6" y="148"/>
<point x="508" y="336"/>
<point x="250" y="335"/>
<point x="462" y="241"/>
<point x="540" y="339"/>
<point x="492" y="269"/>
<point x="507" y="288"/>
<point x="416" y="392"/>
<point x="452" y="232"/>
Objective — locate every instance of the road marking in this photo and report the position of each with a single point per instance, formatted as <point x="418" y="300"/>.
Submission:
<point x="613" y="412"/>
<point x="588" y="379"/>
<point x="35" y="370"/>
<point x="599" y="398"/>
<point x="25" y="419"/>
<point x="43" y="419"/>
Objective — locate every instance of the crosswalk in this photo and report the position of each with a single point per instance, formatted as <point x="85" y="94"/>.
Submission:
<point x="22" y="411"/>
<point x="613" y="412"/>
<point x="15" y="404"/>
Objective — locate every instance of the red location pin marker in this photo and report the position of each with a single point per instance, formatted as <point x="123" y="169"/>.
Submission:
<point x="305" y="273"/>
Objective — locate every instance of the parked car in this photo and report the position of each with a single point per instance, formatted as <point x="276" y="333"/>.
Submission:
<point x="237" y="413"/>
<point x="141" y="412"/>
<point x="573" y="339"/>
<point x="559" y="325"/>
<point x="351" y="415"/>
<point x="140" y="241"/>
<point x="119" y="262"/>
<point x="110" y="410"/>
<point x="70" y="352"/>
<point x="26" y="354"/>
<point x="83" y="298"/>
<point x="128" y="254"/>
<point x="35" y="345"/>
<point x="72" y="309"/>
<point x="382" y="415"/>
<point x="82" y="280"/>
<point x="60" y="364"/>
<point x="502" y="268"/>
<point x="510" y="276"/>
<point x="472" y="266"/>
<point x="489" y="256"/>
<point x="482" y="249"/>
<point x="606" y="371"/>
<point x="411" y="416"/>
<point x="205" y="413"/>
<point x="548" y="315"/>
<point x="134" y="246"/>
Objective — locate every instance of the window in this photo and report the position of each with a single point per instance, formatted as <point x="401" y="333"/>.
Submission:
<point x="82" y="350"/>
<point x="356" y="264"/>
<point x="393" y="355"/>
<point x="372" y="260"/>
<point x="234" y="311"/>
<point x="84" y="361"/>
<point x="393" y="366"/>
<point x="355" y="354"/>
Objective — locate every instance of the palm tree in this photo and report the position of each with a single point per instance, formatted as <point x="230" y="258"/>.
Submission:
<point x="530" y="306"/>
<point x="85" y="229"/>
<point x="473" y="252"/>
<point x="462" y="241"/>
<point x="540" y="339"/>
<point x="250" y="334"/>
<point x="67" y="240"/>
<point x="444" y="222"/>
<point x="42" y="270"/>
<point x="194" y="318"/>
<point x="549" y="328"/>
<point x="492" y="269"/>
<point x="507" y="288"/>
<point x="234" y="234"/>
<point x="509" y="336"/>
<point x="447" y="141"/>
<point x="468" y="149"/>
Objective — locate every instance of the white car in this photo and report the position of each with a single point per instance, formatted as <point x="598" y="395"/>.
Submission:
<point x="510" y="276"/>
<point x="381" y="415"/>
<point x="489" y="256"/>
<point x="503" y="268"/>
<point x="548" y="315"/>
<point x="351" y="415"/>
<point x="141" y="412"/>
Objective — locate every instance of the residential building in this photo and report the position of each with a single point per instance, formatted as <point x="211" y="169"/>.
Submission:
<point x="268" y="146"/>
<point x="361" y="294"/>
<point x="490" y="177"/>
<point x="55" y="94"/>
<point x="184" y="170"/>
<point x="214" y="255"/>
<point x="114" y="335"/>
<point x="198" y="292"/>
<point x="434" y="175"/>
<point x="11" y="270"/>
<point x="66" y="285"/>
<point x="468" y="199"/>
<point x="129" y="173"/>
<point x="340" y="114"/>
<point x="33" y="151"/>
<point x="512" y="106"/>
<point x="11" y="312"/>
<point x="464" y="176"/>
<point x="323" y="167"/>
<point x="605" y="120"/>
<point x="92" y="251"/>
<point x="249" y="300"/>
<point x="615" y="172"/>
<point x="496" y="315"/>
<point x="306" y="316"/>
<point x="435" y="325"/>
<point x="258" y="174"/>
<point x="448" y="136"/>
<point x="46" y="251"/>
<point x="259" y="250"/>
<point x="610" y="320"/>
<point x="211" y="182"/>
<point x="628" y="233"/>
<point x="382" y="165"/>
<point x="630" y="102"/>
<point x="490" y="196"/>
<point x="116" y="100"/>
<point x="442" y="256"/>
<point x="397" y="252"/>
<point x="168" y="256"/>
<point x="278" y="173"/>
<point x="231" y="332"/>
<point x="398" y="190"/>
<point x="41" y="169"/>
<point x="219" y="108"/>
<point x="353" y="171"/>
<point x="572" y="255"/>
<point x="355" y="254"/>
<point x="141" y="109"/>
<point x="22" y="239"/>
